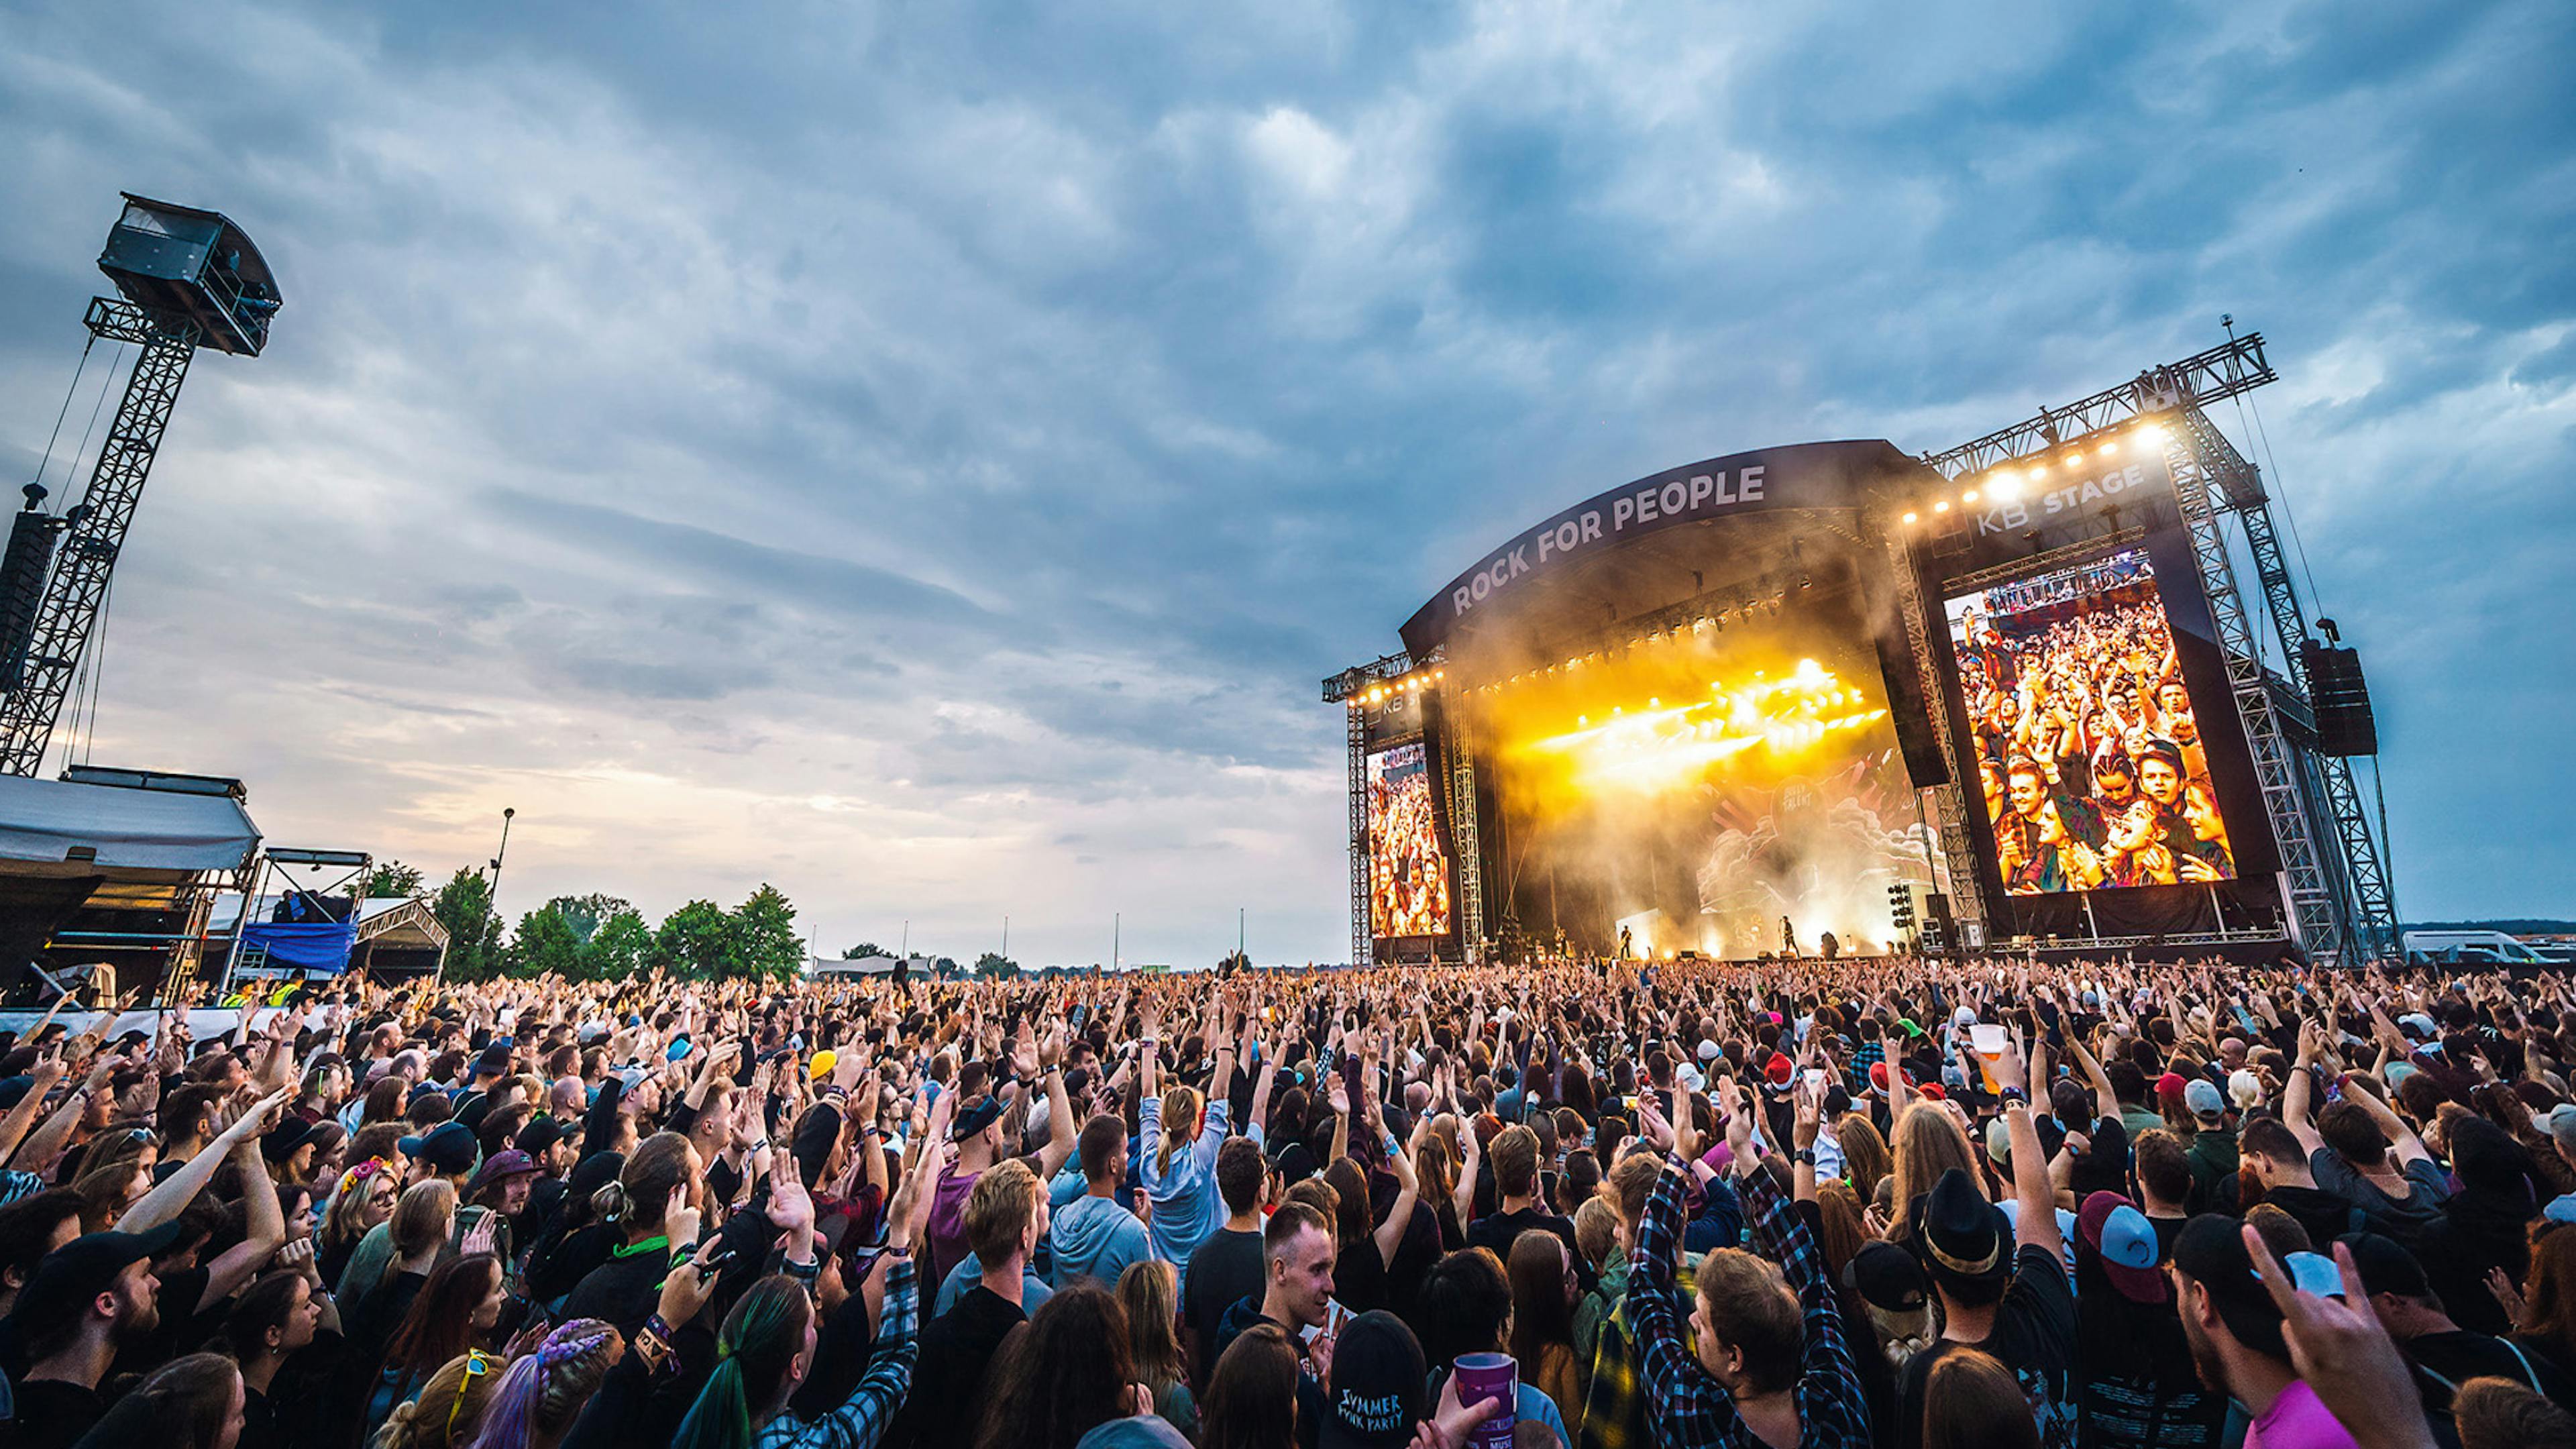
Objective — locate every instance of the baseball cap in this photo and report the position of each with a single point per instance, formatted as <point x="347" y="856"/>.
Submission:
<point x="2386" y="1266"/>
<point x="449" y="1147"/>
<point x="1377" y="1388"/>
<point x="2211" y="1252"/>
<point x="2561" y="1123"/>
<point x="2203" y="1099"/>
<point x="2113" y="1227"/>
<point x="494" y="1060"/>
<point x="1707" y="1052"/>
<point x="1887" y="1278"/>
<point x="80" y="1270"/>
<point x="539" y="1136"/>
<point x="975" y="1116"/>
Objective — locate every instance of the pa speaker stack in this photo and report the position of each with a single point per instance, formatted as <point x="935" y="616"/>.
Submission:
<point x="2341" y="699"/>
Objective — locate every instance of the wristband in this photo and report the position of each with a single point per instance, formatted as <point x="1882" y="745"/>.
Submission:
<point x="804" y="1273"/>
<point x="1804" y="1157"/>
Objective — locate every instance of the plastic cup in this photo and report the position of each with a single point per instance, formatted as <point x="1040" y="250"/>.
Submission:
<point x="1986" y="1039"/>
<point x="1483" y="1376"/>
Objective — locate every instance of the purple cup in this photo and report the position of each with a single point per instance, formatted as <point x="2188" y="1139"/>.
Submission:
<point x="1483" y="1376"/>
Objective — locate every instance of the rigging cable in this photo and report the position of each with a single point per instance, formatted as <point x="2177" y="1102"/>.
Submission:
<point x="68" y="394"/>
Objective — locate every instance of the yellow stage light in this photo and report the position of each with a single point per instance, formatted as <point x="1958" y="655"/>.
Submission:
<point x="2151" y="433"/>
<point x="1941" y="507"/>
<point x="1910" y="515"/>
<point x="1968" y="497"/>
<point x="2110" y="446"/>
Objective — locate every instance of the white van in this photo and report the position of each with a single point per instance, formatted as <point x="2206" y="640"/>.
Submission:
<point x="2487" y="947"/>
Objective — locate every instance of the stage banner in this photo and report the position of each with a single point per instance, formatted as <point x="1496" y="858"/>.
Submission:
<point x="1803" y="475"/>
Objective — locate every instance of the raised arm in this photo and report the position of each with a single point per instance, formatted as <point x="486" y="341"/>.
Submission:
<point x="173" y="1194"/>
<point x="2402" y="1138"/>
<point x="2035" y="1218"/>
<point x="13" y="1128"/>
<point x="2294" y="1101"/>
<point x="1408" y="1191"/>
<point x="2106" y="1103"/>
<point x="266" y="1224"/>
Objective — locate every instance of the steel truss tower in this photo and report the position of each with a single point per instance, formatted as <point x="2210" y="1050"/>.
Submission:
<point x="94" y="526"/>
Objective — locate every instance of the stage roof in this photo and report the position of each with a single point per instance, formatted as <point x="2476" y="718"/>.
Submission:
<point x="46" y="822"/>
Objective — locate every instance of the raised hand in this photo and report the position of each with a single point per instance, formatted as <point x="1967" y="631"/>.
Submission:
<point x="480" y="1237"/>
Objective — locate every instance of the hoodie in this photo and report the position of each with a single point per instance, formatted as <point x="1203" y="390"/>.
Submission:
<point x="1095" y="1238"/>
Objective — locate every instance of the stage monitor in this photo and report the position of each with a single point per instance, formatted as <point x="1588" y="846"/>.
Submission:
<point x="2087" y="742"/>
<point x="1409" y="875"/>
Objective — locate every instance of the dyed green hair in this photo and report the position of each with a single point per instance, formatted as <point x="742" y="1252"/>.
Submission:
<point x="760" y="1339"/>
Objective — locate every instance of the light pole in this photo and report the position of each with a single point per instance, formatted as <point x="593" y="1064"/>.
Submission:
<point x="499" y="855"/>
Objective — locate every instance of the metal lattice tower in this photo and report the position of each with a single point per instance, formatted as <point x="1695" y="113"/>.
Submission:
<point x="1949" y="802"/>
<point x="2356" y="874"/>
<point x="94" y="531"/>
<point x="1359" y="836"/>
<point x="1466" y="862"/>
<point x="2203" y="499"/>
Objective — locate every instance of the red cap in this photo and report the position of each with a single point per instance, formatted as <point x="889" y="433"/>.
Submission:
<point x="2170" y="1085"/>
<point x="1931" y="1092"/>
<point x="1779" y="1069"/>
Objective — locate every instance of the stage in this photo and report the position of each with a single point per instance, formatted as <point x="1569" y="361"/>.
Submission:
<point x="2004" y="703"/>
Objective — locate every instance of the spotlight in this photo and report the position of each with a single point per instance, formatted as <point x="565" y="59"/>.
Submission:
<point x="2151" y="433"/>
<point x="1910" y="515"/>
<point x="2074" y="457"/>
<point x="2039" y="467"/>
<point x="2110" y="447"/>
<point x="1941" y="507"/>
<point x="2005" y="484"/>
<point x="1968" y="497"/>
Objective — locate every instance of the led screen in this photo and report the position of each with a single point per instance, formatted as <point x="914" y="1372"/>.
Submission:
<point x="1408" y="868"/>
<point x="2089" y="756"/>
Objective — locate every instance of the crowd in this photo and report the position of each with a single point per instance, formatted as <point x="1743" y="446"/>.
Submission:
<point x="2093" y="769"/>
<point x="1895" y="1203"/>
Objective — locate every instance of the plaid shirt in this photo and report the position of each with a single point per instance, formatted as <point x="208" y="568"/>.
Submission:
<point x="1613" y="1412"/>
<point x="1690" y="1410"/>
<point x="1856" y="1076"/>
<point x="861" y="1422"/>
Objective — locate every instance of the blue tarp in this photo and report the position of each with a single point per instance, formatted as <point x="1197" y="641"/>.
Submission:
<point x="317" y="947"/>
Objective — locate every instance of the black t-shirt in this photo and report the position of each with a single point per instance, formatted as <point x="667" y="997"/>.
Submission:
<point x="2135" y="1379"/>
<point x="52" y="1413"/>
<point x="2034" y="1336"/>
<point x="1224" y="1271"/>
<point x="1499" y="1231"/>
<point x="947" y="1398"/>
<point x="2444" y="1361"/>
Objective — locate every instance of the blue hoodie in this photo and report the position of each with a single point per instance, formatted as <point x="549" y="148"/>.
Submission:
<point x="1095" y="1238"/>
<point x="1183" y="1196"/>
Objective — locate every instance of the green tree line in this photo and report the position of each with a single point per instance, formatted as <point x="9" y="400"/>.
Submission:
<point x="601" y="937"/>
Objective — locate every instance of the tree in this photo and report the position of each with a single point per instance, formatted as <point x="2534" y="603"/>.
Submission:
<point x="546" y="942"/>
<point x="620" y="950"/>
<point x="464" y="907"/>
<point x="586" y="914"/>
<point x="692" y="940"/>
<point x="764" y="940"/>
<point x="993" y="965"/>
<point x="393" y="878"/>
<point x="864" y="950"/>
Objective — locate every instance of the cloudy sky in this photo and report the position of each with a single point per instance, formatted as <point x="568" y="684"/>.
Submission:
<point x="925" y="456"/>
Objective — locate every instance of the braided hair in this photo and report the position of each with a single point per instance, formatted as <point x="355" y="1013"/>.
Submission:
<point x="542" y="1390"/>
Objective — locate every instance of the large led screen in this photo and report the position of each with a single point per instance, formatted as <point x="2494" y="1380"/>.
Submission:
<point x="2088" y="751"/>
<point x="1408" y="869"/>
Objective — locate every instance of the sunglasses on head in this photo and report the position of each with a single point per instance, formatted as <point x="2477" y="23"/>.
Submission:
<point x="477" y="1364"/>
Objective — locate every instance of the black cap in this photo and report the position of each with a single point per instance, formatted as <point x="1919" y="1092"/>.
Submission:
<point x="449" y="1147"/>
<point x="1296" y="1162"/>
<point x="1377" y="1390"/>
<point x="78" y="1271"/>
<point x="1887" y="1278"/>
<point x="2211" y="1252"/>
<point x="975" y="1116"/>
<point x="1962" y="1235"/>
<point x="2386" y="1266"/>
<point x="540" y="1135"/>
<point x="280" y="1142"/>
<point x="817" y="1132"/>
